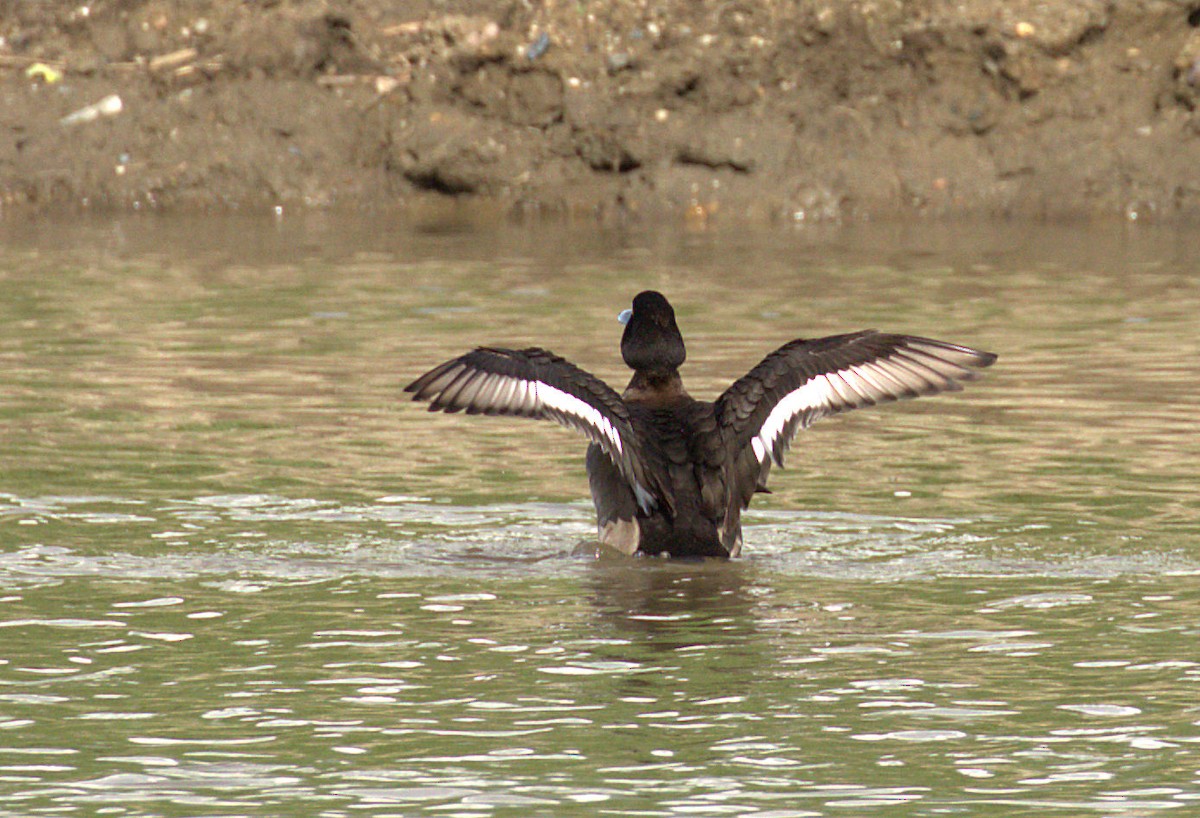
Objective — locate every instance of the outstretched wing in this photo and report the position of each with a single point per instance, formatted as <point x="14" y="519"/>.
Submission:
<point x="808" y="379"/>
<point x="536" y="383"/>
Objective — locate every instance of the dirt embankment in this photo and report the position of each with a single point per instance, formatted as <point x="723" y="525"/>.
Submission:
<point x="695" y="108"/>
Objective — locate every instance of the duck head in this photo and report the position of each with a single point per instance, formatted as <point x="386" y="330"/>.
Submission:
<point x="651" y="342"/>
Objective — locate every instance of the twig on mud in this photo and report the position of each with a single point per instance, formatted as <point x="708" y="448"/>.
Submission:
<point x="175" y="59"/>
<point x="342" y="80"/>
<point x="206" y="68"/>
<point x="402" y="28"/>
<point x="179" y="64"/>
<point x="15" y="61"/>
<point x="857" y="117"/>
<point x="383" y="84"/>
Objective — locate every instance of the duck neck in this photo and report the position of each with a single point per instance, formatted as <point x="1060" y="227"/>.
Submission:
<point x="655" y="388"/>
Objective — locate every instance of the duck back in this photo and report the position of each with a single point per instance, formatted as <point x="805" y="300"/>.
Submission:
<point x="683" y="439"/>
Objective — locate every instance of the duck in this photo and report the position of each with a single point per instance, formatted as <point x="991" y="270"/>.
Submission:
<point x="670" y="475"/>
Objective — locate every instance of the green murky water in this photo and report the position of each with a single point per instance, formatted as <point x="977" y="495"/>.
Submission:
<point x="240" y="576"/>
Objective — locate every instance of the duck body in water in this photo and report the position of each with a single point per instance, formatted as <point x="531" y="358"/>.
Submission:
<point x="670" y="474"/>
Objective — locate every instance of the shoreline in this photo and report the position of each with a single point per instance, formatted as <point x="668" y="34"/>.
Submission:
<point x="693" y="112"/>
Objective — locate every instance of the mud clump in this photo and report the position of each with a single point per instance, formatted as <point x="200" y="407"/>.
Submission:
<point x="798" y="111"/>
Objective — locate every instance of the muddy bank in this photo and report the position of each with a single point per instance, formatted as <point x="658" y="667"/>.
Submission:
<point x="784" y="111"/>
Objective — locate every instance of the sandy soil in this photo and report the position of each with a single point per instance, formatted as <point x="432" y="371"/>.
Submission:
<point x="696" y="109"/>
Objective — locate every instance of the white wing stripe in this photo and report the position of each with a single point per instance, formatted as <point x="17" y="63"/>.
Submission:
<point x="504" y="393"/>
<point x="760" y="451"/>
<point x="814" y="394"/>
<point x="867" y="375"/>
<point x="906" y="372"/>
<point x="560" y="401"/>
<point x="939" y="364"/>
<point x="459" y="385"/>
<point x="487" y="392"/>
<point x="527" y="395"/>
<point x="839" y="387"/>
<point x="893" y="380"/>
<point x="918" y="368"/>
<point x="445" y="379"/>
<point x="564" y="403"/>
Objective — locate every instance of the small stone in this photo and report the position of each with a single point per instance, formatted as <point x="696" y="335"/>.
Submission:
<point x="385" y="84"/>
<point x="696" y="215"/>
<point x="826" y="20"/>
<point x="619" y="62"/>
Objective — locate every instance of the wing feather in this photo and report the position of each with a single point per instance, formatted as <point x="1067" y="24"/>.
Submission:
<point x="537" y="383"/>
<point x="806" y="380"/>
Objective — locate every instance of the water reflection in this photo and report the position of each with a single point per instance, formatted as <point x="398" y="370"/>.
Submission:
<point x="697" y="598"/>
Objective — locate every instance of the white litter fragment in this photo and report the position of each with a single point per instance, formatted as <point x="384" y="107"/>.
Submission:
<point x="111" y="105"/>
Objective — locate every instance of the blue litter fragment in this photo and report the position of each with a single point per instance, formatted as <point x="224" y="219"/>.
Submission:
<point x="538" y="47"/>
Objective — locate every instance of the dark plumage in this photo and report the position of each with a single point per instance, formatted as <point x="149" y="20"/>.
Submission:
<point x="672" y="474"/>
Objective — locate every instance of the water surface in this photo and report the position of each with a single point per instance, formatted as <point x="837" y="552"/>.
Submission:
<point x="240" y="575"/>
